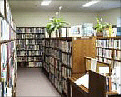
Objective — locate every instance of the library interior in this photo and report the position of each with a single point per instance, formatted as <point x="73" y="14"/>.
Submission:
<point x="60" y="48"/>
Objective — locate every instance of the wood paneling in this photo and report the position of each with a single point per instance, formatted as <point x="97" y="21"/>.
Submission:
<point x="81" y="48"/>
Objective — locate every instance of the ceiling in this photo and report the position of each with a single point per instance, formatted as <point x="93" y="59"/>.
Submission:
<point x="68" y="5"/>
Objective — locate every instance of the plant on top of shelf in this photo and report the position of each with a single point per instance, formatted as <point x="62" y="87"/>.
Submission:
<point x="99" y="26"/>
<point x="103" y="27"/>
<point x="55" y="24"/>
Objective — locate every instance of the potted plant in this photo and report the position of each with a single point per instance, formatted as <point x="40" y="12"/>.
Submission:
<point x="99" y="27"/>
<point x="108" y="29"/>
<point x="54" y="25"/>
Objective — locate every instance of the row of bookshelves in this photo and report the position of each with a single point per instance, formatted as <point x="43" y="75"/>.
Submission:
<point x="29" y="36"/>
<point x="109" y="51"/>
<point x="29" y="44"/>
<point x="64" y="58"/>
<point x="57" y="62"/>
<point x="30" y="30"/>
<point x="29" y="64"/>
<point x="8" y="61"/>
<point x="29" y="53"/>
<point x="57" y="59"/>
<point x="112" y="43"/>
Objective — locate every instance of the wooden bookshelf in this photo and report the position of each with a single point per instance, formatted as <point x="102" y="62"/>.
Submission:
<point x="8" y="64"/>
<point x="63" y="58"/>
<point x="109" y="51"/>
<point x="29" y="42"/>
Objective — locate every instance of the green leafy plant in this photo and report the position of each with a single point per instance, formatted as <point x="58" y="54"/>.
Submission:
<point x="100" y="26"/>
<point x="55" y="24"/>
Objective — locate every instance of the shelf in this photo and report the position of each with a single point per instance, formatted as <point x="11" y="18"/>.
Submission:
<point x="108" y="38"/>
<point x="105" y="57"/>
<point x="29" y="61"/>
<point x="6" y="41"/>
<point x="28" y="50"/>
<point x="60" y="38"/>
<point x="110" y="48"/>
<point x="31" y="56"/>
<point x="117" y="60"/>
<point x="65" y="65"/>
<point x="31" y="39"/>
<point x="66" y="52"/>
<point x="30" y="33"/>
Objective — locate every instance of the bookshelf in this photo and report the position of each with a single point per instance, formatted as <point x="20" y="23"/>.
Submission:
<point x="29" y="46"/>
<point x="109" y="51"/>
<point x="8" y="63"/>
<point x="59" y="55"/>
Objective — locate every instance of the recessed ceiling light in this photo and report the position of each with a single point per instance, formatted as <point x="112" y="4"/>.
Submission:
<point x="45" y="3"/>
<point x="90" y="3"/>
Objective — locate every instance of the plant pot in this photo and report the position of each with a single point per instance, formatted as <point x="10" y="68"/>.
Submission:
<point x="99" y="34"/>
<point x="60" y="32"/>
<point x="49" y="35"/>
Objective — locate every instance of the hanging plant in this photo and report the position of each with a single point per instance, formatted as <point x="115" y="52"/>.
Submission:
<point x="55" y="24"/>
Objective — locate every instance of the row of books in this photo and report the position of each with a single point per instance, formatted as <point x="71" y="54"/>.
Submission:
<point x="8" y="50"/>
<point x="104" y="53"/>
<point x="66" y="46"/>
<point x="31" y="30"/>
<point x="29" y="36"/>
<point x="67" y="59"/>
<point x="7" y="33"/>
<point x="29" y="42"/>
<point x="46" y="66"/>
<point x="5" y="11"/>
<point x="8" y="57"/>
<point x="66" y="72"/>
<point x="35" y="64"/>
<point x="64" y="86"/>
<point x="29" y="47"/>
<point x="117" y="55"/>
<point x="29" y="53"/>
<point x="116" y="44"/>
<point x="116" y="77"/>
<point x="25" y="59"/>
<point x="105" y="60"/>
<point x="63" y="45"/>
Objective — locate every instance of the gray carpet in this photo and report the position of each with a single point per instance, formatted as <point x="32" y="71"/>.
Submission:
<point x="32" y="82"/>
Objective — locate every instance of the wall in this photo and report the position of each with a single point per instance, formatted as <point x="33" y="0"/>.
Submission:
<point x="37" y="19"/>
<point x="111" y="15"/>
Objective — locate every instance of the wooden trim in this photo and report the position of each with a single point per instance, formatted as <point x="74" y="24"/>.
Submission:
<point x="107" y="38"/>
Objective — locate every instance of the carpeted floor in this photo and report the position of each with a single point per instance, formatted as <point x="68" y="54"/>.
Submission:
<point x="32" y="82"/>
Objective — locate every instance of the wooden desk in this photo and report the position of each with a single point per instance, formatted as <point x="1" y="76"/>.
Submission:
<point x="97" y="87"/>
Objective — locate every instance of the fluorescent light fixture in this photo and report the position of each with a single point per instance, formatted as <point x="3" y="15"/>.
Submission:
<point x="90" y="3"/>
<point x="44" y="3"/>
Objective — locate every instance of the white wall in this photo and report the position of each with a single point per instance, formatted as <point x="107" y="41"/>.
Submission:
<point x="40" y="19"/>
<point x="111" y="15"/>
